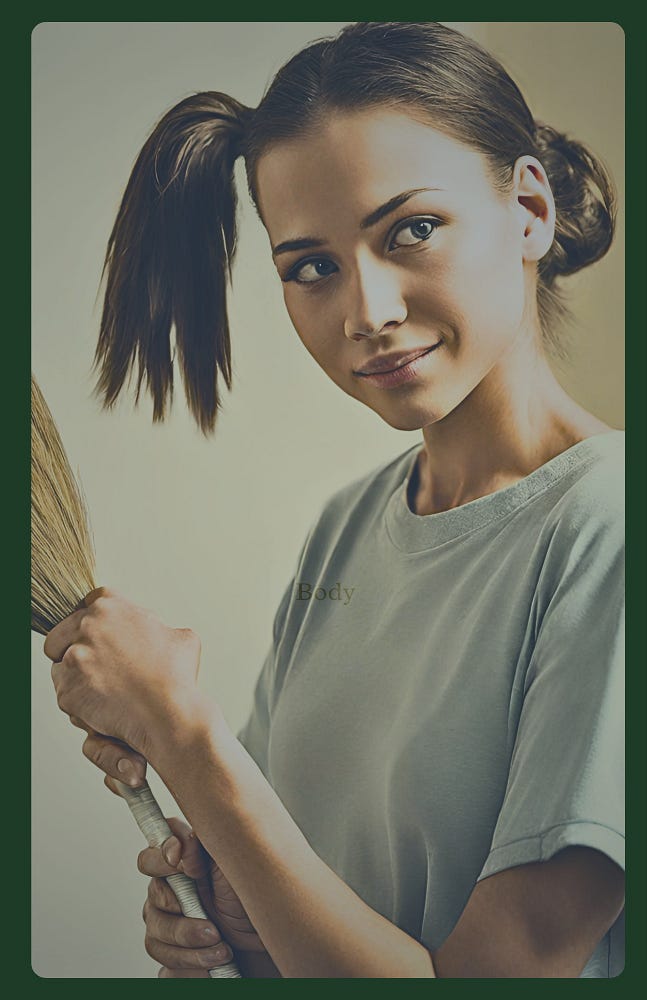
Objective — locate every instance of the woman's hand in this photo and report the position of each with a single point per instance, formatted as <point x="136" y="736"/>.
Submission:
<point x="112" y="756"/>
<point x="187" y="947"/>
<point x="122" y="672"/>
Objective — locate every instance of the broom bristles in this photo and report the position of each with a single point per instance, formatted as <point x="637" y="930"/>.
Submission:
<point x="62" y="553"/>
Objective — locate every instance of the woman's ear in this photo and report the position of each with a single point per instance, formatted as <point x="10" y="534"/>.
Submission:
<point x="536" y="207"/>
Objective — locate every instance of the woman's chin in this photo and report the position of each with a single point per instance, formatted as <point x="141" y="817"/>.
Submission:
<point x="408" y="418"/>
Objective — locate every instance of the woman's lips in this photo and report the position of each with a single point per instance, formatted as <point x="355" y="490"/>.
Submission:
<point x="397" y="376"/>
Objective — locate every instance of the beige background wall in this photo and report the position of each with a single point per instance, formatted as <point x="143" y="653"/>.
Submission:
<point x="206" y="533"/>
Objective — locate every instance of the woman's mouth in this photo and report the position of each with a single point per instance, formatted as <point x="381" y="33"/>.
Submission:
<point x="397" y="376"/>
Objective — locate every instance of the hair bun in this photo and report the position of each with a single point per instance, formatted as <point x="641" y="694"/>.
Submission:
<point x="584" y="200"/>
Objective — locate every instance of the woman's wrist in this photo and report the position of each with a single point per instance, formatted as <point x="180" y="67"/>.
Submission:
<point x="188" y="730"/>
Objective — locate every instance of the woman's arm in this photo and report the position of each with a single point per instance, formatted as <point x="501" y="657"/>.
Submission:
<point x="124" y="674"/>
<point x="312" y="924"/>
<point x="533" y="921"/>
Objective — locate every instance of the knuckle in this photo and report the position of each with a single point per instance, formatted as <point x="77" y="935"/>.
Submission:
<point x="191" y="935"/>
<point x="167" y="898"/>
<point x="187" y="936"/>
<point x="136" y="758"/>
<point x="75" y="656"/>
<point x="103" y="755"/>
<point x="157" y="950"/>
<point x="68" y="658"/>
<point x="99" y="752"/>
<point x="177" y="931"/>
<point x="100" y="756"/>
<point x="156" y="888"/>
<point x="152" y="947"/>
<point x="62" y="696"/>
<point x="86" y="626"/>
<point x="162" y="896"/>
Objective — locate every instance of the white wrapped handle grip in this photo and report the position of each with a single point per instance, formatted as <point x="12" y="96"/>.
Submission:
<point x="151" y="822"/>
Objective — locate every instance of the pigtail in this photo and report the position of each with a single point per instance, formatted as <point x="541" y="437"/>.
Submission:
<point x="169" y="260"/>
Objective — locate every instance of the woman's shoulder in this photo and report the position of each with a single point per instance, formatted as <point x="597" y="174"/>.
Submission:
<point x="598" y="491"/>
<point x="587" y="523"/>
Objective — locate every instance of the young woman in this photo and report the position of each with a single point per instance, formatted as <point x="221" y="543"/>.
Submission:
<point x="431" y="783"/>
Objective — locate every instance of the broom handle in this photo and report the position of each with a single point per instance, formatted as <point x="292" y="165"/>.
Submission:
<point x="151" y="822"/>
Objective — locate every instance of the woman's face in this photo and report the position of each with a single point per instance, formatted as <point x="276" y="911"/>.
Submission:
<point x="392" y="242"/>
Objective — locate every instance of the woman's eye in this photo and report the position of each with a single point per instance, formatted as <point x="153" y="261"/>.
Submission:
<point x="311" y="271"/>
<point x="414" y="232"/>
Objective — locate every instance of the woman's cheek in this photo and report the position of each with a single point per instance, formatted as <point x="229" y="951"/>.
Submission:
<point x="488" y="288"/>
<point x="502" y="269"/>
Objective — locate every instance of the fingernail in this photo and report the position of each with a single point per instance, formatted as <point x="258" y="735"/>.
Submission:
<point x="127" y="771"/>
<point x="172" y="851"/>
<point x="223" y="953"/>
<point x="210" y="933"/>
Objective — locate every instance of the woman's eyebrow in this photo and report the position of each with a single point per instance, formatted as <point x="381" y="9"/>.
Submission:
<point x="307" y="242"/>
<point x="391" y="205"/>
<point x="303" y="243"/>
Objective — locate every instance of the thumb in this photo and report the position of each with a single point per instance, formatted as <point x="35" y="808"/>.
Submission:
<point x="184" y="851"/>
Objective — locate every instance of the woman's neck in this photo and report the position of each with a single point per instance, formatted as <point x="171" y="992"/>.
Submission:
<point x="514" y="421"/>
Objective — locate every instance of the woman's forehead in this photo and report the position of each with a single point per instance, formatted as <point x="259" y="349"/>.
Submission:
<point x="360" y="160"/>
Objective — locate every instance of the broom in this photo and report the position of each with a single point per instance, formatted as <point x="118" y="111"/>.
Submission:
<point x="62" y="573"/>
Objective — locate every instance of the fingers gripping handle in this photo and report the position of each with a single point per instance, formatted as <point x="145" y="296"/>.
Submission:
<point x="151" y="822"/>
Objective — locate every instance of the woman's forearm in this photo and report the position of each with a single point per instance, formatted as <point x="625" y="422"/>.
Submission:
<point x="312" y="924"/>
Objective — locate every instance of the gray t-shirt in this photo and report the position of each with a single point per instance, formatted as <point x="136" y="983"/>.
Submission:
<point x="453" y="706"/>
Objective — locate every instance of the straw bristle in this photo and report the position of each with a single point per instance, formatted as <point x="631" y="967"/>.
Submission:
<point x="62" y="554"/>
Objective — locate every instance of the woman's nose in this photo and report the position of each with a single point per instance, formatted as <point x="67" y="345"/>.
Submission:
<point x="374" y="302"/>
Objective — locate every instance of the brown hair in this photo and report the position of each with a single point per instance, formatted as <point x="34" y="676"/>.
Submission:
<point x="171" y="249"/>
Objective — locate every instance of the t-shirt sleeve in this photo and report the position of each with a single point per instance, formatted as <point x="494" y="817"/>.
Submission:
<point x="566" y="779"/>
<point x="254" y="735"/>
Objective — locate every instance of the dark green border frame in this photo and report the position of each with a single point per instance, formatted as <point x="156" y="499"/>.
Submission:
<point x="15" y="399"/>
